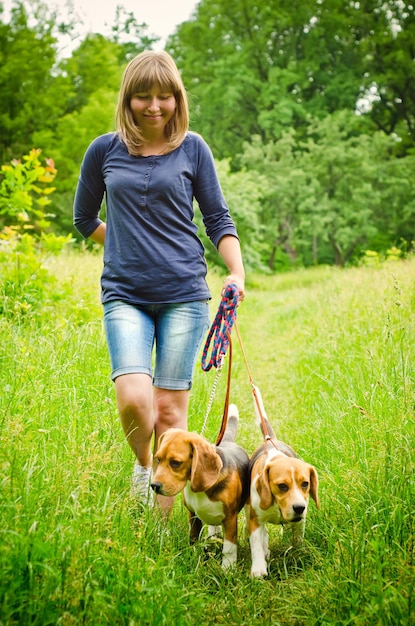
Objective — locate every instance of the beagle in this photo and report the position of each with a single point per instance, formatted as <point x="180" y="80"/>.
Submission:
<point x="281" y="484"/>
<point x="214" y="480"/>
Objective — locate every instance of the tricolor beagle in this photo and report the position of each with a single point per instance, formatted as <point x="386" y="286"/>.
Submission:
<point x="214" y="480"/>
<point x="280" y="486"/>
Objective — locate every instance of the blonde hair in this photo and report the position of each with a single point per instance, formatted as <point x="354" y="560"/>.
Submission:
<point x="141" y="74"/>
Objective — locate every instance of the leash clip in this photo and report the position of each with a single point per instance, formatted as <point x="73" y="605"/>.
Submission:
<point x="220" y="360"/>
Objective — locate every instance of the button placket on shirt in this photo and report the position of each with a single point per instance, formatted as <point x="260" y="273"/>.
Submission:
<point x="147" y="176"/>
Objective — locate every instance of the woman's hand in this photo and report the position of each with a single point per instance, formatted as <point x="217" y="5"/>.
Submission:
<point x="237" y="280"/>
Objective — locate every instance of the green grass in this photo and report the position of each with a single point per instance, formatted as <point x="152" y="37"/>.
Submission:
<point x="333" y="354"/>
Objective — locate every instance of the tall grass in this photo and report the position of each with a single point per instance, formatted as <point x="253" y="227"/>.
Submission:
<point x="333" y="354"/>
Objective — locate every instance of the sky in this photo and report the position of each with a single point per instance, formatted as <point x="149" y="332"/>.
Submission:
<point x="161" y="16"/>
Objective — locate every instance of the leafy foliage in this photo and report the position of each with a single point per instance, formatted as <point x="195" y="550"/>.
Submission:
<point x="244" y="192"/>
<point x="332" y="195"/>
<point x="25" y="190"/>
<point x="25" y="242"/>
<point x="31" y="93"/>
<point x="269" y="65"/>
<point x="308" y="107"/>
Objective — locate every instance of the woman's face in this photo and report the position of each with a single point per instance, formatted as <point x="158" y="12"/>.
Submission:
<point x="153" y="109"/>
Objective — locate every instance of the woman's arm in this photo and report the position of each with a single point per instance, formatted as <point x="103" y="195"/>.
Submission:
<point x="99" y="234"/>
<point x="90" y="190"/>
<point x="230" y="250"/>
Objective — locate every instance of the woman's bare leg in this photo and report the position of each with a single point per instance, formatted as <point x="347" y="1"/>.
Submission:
<point x="134" y="393"/>
<point x="170" y="409"/>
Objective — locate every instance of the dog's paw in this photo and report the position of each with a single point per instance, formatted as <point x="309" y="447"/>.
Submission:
<point x="258" y="565"/>
<point x="214" y="532"/>
<point x="259" y="571"/>
<point x="227" y="564"/>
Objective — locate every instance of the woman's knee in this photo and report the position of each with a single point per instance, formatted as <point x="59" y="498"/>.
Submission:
<point x="134" y="394"/>
<point x="171" y="408"/>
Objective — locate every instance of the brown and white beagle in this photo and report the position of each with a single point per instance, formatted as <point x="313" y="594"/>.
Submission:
<point x="281" y="484"/>
<point x="214" y="480"/>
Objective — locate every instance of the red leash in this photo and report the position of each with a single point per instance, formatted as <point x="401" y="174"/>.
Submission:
<point x="221" y="331"/>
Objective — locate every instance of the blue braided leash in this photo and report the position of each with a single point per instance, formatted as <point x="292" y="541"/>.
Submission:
<point x="221" y="329"/>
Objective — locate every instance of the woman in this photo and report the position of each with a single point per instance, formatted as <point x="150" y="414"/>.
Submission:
<point x="154" y="289"/>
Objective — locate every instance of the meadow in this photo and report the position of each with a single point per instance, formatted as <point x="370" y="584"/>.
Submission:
<point x="333" y="353"/>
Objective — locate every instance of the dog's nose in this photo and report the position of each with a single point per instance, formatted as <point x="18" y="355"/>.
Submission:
<point x="298" y="508"/>
<point x="156" y="487"/>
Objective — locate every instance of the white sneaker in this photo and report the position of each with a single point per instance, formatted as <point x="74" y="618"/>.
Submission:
<point x="140" y="484"/>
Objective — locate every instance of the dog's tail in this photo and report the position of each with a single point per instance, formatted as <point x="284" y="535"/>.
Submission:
<point x="232" y="423"/>
<point x="261" y="416"/>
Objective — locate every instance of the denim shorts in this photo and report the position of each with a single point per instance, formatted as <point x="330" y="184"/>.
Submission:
<point x="175" y="330"/>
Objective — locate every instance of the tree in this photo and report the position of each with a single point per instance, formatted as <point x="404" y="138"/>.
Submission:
<point x="130" y="36"/>
<point x="285" y="181"/>
<point x="388" y="56"/>
<point x="329" y="197"/>
<point x="93" y="66"/>
<point x="244" y="192"/>
<point x="28" y="55"/>
<point x="261" y="68"/>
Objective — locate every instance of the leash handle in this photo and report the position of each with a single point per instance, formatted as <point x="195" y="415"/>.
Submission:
<point x="221" y="329"/>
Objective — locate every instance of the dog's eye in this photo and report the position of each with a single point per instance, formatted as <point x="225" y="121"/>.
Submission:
<point x="175" y="464"/>
<point x="282" y="487"/>
<point x="305" y="484"/>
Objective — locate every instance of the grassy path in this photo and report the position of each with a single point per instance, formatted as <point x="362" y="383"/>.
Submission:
<point x="333" y="354"/>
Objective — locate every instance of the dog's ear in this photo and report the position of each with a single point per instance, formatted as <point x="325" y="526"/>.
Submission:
<point x="206" y="466"/>
<point x="264" y="490"/>
<point x="314" y="486"/>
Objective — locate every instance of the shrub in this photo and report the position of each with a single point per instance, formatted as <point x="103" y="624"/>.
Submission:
<point x="25" y="240"/>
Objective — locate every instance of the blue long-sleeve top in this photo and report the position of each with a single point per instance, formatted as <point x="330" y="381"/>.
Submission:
<point x="152" y="251"/>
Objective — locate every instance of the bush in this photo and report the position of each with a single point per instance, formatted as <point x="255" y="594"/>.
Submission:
<point x="25" y="240"/>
